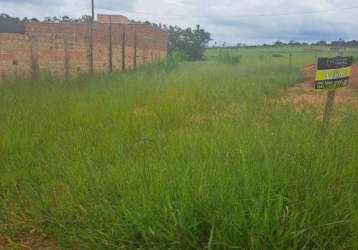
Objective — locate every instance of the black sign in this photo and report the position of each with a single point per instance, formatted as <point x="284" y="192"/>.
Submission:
<point x="333" y="72"/>
<point x="334" y="63"/>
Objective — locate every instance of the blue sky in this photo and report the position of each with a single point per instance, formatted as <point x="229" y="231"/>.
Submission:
<point x="230" y="21"/>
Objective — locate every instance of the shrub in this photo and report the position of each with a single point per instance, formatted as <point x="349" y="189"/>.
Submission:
<point x="174" y="58"/>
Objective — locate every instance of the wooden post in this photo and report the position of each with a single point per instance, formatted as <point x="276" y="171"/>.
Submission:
<point x="124" y="48"/>
<point x="290" y="67"/>
<point x="328" y="109"/>
<point x="110" y="46"/>
<point x="67" y="59"/>
<point x="316" y="55"/>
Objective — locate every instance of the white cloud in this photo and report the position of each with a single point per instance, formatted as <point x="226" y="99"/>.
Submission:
<point x="249" y="21"/>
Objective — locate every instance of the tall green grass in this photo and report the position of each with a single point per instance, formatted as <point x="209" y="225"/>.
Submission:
<point x="201" y="156"/>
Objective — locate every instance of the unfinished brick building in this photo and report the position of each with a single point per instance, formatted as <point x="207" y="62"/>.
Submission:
<point x="65" y="48"/>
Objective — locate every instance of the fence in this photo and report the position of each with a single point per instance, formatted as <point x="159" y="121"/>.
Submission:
<point x="65" y="48"/>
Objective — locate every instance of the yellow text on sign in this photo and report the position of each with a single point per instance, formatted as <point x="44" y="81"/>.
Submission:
<point x="332" y="74"/>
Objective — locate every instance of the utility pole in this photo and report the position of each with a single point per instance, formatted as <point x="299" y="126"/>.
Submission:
<point x="92" y="10"/>
<point x="91" y="40"/>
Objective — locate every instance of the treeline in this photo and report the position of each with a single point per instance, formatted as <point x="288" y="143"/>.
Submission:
<point x="338" y="43"/>
<point x="52" y="19"/>
<point x="63" y="19"/>
<point x="6" y="17"/>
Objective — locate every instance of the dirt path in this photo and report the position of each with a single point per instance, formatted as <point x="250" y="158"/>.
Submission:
<point x="304" y="93"/>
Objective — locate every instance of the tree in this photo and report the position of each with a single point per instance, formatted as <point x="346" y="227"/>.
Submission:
<point x="294" y="43"/>
<point x="84" y="19"/>
<point x="191" y="43"/>
<point x="279" y="43"/>
<point x="321" y="43"/>
<point x="352" y="43"/>
<point x="338" y="43"/>
<point x="7" y="17"/>
<point x="66" y="19"/>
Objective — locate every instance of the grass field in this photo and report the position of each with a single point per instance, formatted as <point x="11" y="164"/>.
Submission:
<point x="198" y="156"/>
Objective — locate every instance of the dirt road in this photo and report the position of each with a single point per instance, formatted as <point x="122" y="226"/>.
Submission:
<point x="304" y="93"/>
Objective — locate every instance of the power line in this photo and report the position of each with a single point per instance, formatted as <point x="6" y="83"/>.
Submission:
<point x="248" y="15"/>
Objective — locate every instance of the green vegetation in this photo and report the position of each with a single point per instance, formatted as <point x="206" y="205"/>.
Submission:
<point x="227" y="57"/>
<point x="197" y="156"/>
<point x="190" y="43"/>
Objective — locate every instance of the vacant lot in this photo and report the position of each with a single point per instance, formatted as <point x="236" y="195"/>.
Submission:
<point x="198" y="156"/>
<point x="304" y="93"/>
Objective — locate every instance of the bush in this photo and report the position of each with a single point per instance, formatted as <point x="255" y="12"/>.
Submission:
<point x="190" y="42"/>
<point x="174" y="58"/>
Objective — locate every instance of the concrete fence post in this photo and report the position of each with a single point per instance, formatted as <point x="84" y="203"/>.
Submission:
<point x="135" y="47"/>
<point x="91" y="45"/>
<point x="110" y="46"/>
<point x="124" y="48"/>
<point x="34" y="57"/>
<point x="66" y="59"/>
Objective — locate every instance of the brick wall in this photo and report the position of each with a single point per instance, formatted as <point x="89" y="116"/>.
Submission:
<point x="102" y="18"/>
<point x="62" y="49"/>
<point x="15" y="54"/>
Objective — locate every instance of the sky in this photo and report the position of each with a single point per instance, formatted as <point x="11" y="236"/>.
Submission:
<point x="230" y="21"/>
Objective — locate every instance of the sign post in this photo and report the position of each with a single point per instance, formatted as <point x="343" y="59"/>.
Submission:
<point x="328" y="109"/>
<point x="332" y="73"/>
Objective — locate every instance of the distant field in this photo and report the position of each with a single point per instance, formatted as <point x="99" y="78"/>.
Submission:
<point x="197" y="156"/>
<point x="301" y="55"/>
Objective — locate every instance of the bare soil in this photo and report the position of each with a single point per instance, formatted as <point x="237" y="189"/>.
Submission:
<point x="304" y="93"/>
<point x="3" y="242"/>
<point x="28" y="242"/>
